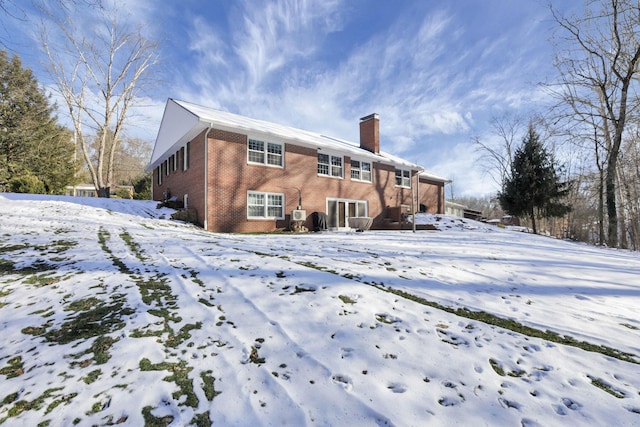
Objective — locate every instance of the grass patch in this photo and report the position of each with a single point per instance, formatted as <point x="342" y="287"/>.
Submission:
<point x="606" y="387"/>
<point x="14" y="368"/>
<point x="208" y="385"/>
<point x="175" y="340"/>
<point x="254" y="357"/>
<point x="179" y="374"/>
<point x="152" y="421"/>
<point x="627" y="325"/>
<point x="133" y="246"/>
<point x="205" y="302"/>
<point x="7" y="267"/>
<point x="20" y="406"/>
<point x="201" y="420"/>
<point x="92" y="376"/>
<point x="98" y="318"/>
<point x="345" y="299"/>
<point x="514" y="326"/>
<point x="100" y="350"/>
<point x="300" y="290"/>
<point x="497" y="367"/>
<point x="39" y="280"/>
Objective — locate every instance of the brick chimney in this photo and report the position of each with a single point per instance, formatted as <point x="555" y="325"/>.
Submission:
<point x="370" y="133"/>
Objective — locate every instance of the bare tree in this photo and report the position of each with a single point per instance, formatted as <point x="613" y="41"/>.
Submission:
<point x="99" y="72"/>
<point x="496" y="156"/>
<point x="598" y="55"/>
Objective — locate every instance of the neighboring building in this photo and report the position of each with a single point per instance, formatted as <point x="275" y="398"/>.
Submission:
<point x="81" y="190"/>
<point x="89" y="190"/>
<point x="462" y="211"/>
<point x="238" y="174"/>
<point x="455" y="209"/>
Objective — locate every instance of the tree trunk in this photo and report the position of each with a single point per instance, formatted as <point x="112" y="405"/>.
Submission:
<point x="610" y="195"/>
<point x="533" y="221"/>
<point x="104" y="192"/>
<point x="601" y="238"/>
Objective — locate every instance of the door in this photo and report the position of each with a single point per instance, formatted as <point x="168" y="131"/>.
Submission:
<point x="340" y="210"/>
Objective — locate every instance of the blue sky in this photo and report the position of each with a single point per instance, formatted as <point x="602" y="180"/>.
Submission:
<point x="435" y="71"/>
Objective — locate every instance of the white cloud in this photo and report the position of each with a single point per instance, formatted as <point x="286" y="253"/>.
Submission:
<point x="426" y="77"/>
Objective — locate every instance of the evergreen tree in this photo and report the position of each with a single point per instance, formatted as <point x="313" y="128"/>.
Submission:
<point x="533" y="188"/>
<point x="36" y="154"/>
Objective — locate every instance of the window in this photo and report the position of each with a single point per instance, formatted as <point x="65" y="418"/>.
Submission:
<point x="187" y="153"/>
<point x="265" y="205"/>
<point x="264" y="153"/>
<point x="159" y="169"/>
<point x="403" y="178"/>
<point x="172" y="163"/>
<point x="360" y="171"/>
<point x="329" y="165"/>
<point x="166" y="167"/>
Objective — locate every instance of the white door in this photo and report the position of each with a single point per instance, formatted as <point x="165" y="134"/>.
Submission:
<point x="340" y="210"/>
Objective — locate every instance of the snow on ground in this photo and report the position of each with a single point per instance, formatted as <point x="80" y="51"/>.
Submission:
<point x="110" y="313"/>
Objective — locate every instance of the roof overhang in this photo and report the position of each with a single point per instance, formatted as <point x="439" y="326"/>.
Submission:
<point x="183" y="121"/>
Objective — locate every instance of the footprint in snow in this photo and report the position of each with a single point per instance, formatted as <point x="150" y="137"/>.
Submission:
<point x="345" y="352"/>
<point x="342" y="380"/>
<point x="397" y="388"/>
<point x="571" y="404"/>
<point x="451" y="338"/>
<point x="526" y="422"/>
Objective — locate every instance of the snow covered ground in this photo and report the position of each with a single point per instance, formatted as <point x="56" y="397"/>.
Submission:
<point x="110" y="313"/>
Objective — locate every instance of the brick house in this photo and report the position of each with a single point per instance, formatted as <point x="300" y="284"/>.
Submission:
<point x="238" y="174"/>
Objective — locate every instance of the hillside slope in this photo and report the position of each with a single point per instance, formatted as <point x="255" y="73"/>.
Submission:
<point x="112" y="314"/>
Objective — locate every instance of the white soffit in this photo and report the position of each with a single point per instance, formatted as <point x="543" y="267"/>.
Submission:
<point x="176" y="128"/>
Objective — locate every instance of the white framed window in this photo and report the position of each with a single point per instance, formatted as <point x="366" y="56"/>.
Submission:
<point x="185" y="155"/>
<point x="265" y="205"/>
<point x="264" y="153"/>
<point x="360" y="171"/>
<point x="403" y="178"/>
<point x="329" y="165"/>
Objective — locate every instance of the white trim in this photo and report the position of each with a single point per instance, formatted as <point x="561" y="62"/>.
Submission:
<point x="360" y="170"/>
<point x="402" y="178"/>
<point x="265" y="152"/>
<point x="338" y="200"/>
<point x="266" y="195"/>
<point x="331" y="156"/>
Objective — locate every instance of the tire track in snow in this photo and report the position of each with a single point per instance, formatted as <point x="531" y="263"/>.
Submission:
<point x="252" y="314"/>
<point x="255" y="318"/>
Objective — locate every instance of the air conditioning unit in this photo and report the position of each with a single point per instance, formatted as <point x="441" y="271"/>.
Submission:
<point x="298" y="215"/>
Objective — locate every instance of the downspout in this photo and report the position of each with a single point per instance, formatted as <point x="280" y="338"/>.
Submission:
<point x="416" y="201"/>
<point x="413" y="198"/>
<point x="206" y="177"/>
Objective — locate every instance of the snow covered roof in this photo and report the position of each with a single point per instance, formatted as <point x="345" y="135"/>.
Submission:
<point x="434" y="177"/>
<point x="182" y="121"/>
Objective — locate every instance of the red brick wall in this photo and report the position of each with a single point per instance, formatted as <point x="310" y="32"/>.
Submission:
<point x="432" y="195"/>
<point x="190" y="182"/>
<point x="230" y="176"/>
